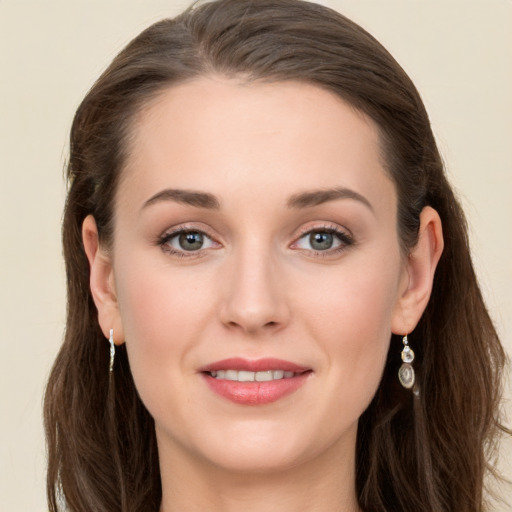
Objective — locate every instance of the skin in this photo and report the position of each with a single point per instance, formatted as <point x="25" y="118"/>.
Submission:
<point x="257" y="288"/>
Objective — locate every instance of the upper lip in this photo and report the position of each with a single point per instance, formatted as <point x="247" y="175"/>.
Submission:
<point x="253" y="365"/>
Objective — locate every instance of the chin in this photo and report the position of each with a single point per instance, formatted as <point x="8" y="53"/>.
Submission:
<point x="268" y="448"/>
<point x="257" y="460"/>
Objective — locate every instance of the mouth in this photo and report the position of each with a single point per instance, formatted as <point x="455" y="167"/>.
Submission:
<point x="254" y="382"/>
<point x="247" y="376"/>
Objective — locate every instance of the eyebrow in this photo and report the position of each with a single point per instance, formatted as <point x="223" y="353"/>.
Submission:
<point x="297" y="201"/>
<point x="317" y="197"/>
<point x="189" y="197"/>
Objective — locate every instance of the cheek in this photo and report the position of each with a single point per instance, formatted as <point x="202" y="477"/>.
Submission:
<point x="354" y="300"/>
<point x="350" y="316"/>
<point x="160" y="321"/>
<point x="158" y="305"/>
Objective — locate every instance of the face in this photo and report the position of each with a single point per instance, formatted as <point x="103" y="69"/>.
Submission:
<point x="255" y="239"/>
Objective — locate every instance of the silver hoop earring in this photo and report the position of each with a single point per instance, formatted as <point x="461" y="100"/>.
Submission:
<point x="406" y="372"/>
<point x="112" y="350"/>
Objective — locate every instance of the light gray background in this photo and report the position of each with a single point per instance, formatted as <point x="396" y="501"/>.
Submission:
<point x="458" y="52"/>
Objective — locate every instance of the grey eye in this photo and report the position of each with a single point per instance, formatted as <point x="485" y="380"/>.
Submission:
<point x="188" y="241"/>
<point x="321" y="240"/>
<point x="191" y="240"/>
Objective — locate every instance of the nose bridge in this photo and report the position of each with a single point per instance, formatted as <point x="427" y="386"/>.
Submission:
<point x="254" y="298"/>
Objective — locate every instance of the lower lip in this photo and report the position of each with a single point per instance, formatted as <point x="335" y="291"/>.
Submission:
<point x="255" y="393"/>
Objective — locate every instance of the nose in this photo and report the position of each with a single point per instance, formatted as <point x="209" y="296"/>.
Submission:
<point x="254" y="298"/>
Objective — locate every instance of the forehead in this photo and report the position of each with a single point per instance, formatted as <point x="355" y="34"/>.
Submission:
<point x="228" y="136"/>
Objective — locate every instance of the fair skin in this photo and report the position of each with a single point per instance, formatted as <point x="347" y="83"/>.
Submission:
<point x="270" y="269"/>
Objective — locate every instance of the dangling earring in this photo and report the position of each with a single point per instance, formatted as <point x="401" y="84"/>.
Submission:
<point x="112" y="350"/>
<point x="406" y="372"/>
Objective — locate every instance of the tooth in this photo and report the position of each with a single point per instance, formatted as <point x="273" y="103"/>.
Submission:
<point x="244" y="376"/>
<point x="263" y="376"/>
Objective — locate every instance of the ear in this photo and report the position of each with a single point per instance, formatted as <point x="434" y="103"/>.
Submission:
<point x="102" y="282"/>
<point x="420" y="267"/>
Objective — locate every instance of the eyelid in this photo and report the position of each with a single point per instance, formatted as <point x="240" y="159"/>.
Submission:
<point x="324" y="226"/>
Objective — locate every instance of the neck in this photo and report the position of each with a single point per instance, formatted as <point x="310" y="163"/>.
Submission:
<point x="325" y="484"/>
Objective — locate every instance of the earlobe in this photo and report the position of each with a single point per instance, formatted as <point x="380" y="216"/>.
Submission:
<point x="101" y="281"/>
<point x="421" y="265"/>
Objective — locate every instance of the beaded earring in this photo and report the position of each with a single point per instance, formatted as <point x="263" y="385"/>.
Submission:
<point x="406" y="372"/>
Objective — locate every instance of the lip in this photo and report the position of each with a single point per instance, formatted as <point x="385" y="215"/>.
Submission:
<point x="253" y="365"/>
<point x="255" y="393"/>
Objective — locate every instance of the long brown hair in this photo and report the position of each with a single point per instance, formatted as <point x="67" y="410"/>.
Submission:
<point x="425" y="453"/>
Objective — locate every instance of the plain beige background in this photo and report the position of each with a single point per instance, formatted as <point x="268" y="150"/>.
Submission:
<point x="458" y="52"/>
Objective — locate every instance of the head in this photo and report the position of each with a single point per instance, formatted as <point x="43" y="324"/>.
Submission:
<point x="290" y="48"/>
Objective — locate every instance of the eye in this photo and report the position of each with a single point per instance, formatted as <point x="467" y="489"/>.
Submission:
<point x="321" y="241"/>
<point x="184" y="241"/>
<point x="324" y="240"/>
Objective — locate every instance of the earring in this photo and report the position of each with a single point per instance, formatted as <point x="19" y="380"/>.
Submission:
<point x="406" y="372"/>
<point x="112" y="350"/>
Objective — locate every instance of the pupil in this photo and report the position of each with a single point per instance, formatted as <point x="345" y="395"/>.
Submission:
<point x="191" y="241"/>
<point x="321" y="241"/>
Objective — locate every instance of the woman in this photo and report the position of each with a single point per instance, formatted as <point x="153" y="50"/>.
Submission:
<point x="259" y="223"/>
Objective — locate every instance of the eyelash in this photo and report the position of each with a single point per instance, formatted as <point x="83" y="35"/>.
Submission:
<point x="346" y="240"/>
<point x="164" y="240"/>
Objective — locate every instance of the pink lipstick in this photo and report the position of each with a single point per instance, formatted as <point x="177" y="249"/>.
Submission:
<point x="254" y="382"/>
